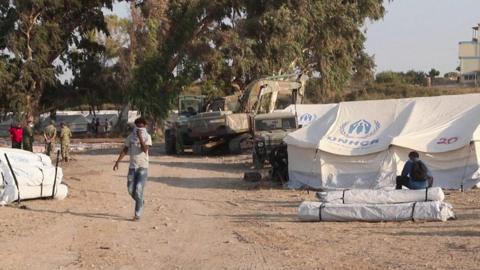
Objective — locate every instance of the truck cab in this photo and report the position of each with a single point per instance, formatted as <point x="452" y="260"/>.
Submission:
<point x="269" y="130"/>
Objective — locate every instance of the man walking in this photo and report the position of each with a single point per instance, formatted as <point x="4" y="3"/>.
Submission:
<point x="137" y="145"/>
<point x="16" y="135"/>
<point x="65" y="135"/>
<point x="28" y="135"/>
<point x="50" y="134"/>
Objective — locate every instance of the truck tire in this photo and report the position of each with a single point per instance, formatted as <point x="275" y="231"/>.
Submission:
<point x="169" y="143"/>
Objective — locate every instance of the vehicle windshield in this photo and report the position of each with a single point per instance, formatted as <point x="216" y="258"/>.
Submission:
<point x="190" y="106"/>
<point x="274" y="124"/>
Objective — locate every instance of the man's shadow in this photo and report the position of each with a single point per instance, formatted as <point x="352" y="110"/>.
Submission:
<point x="80" y="214"/>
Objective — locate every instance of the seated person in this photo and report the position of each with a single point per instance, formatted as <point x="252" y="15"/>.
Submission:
<point x="415" y="174"/>
<point x="191" y="111"/>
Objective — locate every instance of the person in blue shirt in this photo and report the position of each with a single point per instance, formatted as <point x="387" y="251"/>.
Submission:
<point x="415" y="174"/>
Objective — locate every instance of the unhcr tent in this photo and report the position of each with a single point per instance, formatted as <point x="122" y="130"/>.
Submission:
<point x="307" y="113"/>
<point x="364" y="144"/>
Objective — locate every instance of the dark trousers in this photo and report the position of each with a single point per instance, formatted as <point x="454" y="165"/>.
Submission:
<point x="401" y="181"/>
<point x="405" y="181"/>
<point x="17" y="145"/>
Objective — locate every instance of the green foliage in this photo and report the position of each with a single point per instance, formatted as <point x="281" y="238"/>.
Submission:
<point x="34" y="34"/>
<point x="410" y="77"/>
<point x="433" y="73"/>
<point x="451" y="75"/>
<point x="244" y="40"/>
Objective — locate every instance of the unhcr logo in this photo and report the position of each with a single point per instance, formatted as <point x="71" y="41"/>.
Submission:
<point x="307" y="117"/>
<point x="360" y="129"/>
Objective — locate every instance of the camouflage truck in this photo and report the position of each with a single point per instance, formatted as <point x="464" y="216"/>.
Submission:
<point x="175" y="130"/>
<point x="230" y="122"/>
<point x="269" y="130"/>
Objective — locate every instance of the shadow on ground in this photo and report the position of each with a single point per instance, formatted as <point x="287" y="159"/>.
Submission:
<point x="457" y="233"/>
<point x="203" y="182"/>
<point x="220" y="167"/>
<point x="79" y="214"/>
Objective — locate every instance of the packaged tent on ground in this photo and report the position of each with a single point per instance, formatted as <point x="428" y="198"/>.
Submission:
<point x="33" y="174"/>
<point x="364" y="144"/>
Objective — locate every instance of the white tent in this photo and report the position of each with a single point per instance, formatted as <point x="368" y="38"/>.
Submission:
<point x="307" y="113"/>
<point x="364" y="144"/>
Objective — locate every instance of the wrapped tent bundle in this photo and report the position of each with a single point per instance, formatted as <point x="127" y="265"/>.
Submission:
<point x="378" y="205"/>
<point x="33" y="176"/>
<point x="379" y="196"/>
<point x="416" y="211"/>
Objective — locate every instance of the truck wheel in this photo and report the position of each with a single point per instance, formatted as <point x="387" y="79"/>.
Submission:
<point x="170" y="145"/>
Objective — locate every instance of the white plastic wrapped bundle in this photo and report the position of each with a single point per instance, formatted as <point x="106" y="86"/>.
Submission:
<point x="10" y="193"/>
<point x="427" y="211"/>
<point x="30" y="175"/>
<point x="25" y="157"/>
<point x="369" y="196"/>
<point x="34" y="173"/>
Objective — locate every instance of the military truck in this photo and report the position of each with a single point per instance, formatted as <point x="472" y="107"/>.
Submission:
<point x="269" y="130"/>
<point x="175" y="130"/>
<point x="230" y="124"/>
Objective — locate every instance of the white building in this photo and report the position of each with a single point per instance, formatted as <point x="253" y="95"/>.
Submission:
<point x="469" y="55"/>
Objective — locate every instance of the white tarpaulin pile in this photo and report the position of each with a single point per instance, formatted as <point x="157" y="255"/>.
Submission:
<point x="379" y="196"/>
<point x="364" y="144"/>
<point x="34" y="173"/>
<point x="377" y="205"/>
<point x="416" y="211"/>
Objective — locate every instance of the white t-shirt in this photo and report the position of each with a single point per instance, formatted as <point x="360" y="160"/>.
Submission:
<point x="138" y="158"/>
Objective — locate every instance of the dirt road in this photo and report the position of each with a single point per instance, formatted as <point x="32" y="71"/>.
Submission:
<point x="200" y="215"/>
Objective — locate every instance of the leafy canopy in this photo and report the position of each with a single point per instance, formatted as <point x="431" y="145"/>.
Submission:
<point x="238" y="41"/>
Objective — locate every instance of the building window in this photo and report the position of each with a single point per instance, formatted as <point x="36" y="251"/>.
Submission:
<point x="469" y="77"/>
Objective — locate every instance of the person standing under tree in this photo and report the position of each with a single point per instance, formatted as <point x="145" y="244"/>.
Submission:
<point x="50" y="134"/>
<point x="28" y="135"/>
<point x="97" y="125"/>
<point x="137" y="145"/>
<point x="16" y="134"/>
<point x="107" y="126"/>
<point x="65" y="135"/>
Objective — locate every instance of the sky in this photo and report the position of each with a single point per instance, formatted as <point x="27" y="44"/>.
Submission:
<point x="421" y="34"/>
<point x="414" y="34"/>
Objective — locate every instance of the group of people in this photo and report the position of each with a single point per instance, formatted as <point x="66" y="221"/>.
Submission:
<point x="23" y="137"/>
<point x="96" y="127"/>
<point x="50" y="136"/>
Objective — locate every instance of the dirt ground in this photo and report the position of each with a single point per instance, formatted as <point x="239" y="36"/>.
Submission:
<point x="200" y="215"/>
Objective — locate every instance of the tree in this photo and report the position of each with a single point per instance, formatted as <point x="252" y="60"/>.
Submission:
<point x="433" y="73"/>
<point x="410" y="77"/>
<point x="36" y="34"/>
<point x="226" y="41"/>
